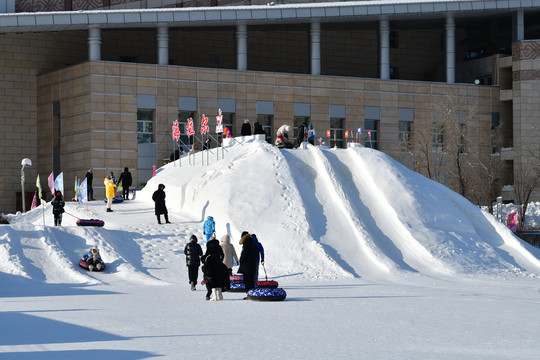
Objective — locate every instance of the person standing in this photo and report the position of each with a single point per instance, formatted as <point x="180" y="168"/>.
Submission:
<point x="246" y="128"/>
<point x="159" y="200"/>
<point x="311" y="134"/>
<point x="229" y="253"/>
<point x="248" y="260"/>
<point x="260" y="255"/>
<point x="58" y="204"/>
<point x="89" y="178"/>
<point x="125" y="180"/>
<point x="258" y="129"/>
<point x="109" y="192"/>
<point x="209" y="228"/>
<point x="193" y="252"/>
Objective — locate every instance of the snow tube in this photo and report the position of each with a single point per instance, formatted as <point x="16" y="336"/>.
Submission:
<point x="268" y="284"/>
<point x="237" y="287"/>
<point x="84" y="265"/>
<point x="267" y="294"/>
<point x="90" y="222"/>
<point x="116" y="199"/>
<point x="238" y="277"/>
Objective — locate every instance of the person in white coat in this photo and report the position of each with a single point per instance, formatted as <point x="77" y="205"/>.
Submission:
<point x="229" y="252"/>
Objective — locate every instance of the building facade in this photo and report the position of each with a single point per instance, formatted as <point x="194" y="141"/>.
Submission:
<point x="100" y="87"/>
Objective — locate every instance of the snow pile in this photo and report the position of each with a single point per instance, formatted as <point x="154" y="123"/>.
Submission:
<point x="320" y="213"/>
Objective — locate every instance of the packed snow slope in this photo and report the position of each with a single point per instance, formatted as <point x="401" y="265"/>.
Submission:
<point x="320" y="213"/>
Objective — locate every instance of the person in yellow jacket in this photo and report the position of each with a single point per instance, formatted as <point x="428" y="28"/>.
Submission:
<point x="109" y="191"/>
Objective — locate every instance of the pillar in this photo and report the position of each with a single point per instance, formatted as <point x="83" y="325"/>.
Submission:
<point x="384" y="33"/>
<point x="94" y="44"/>
<point x="315" y="35"/>
<point x="450" y="50"/>
<point x="241" y="47"/>
<point x="163" y="45"/>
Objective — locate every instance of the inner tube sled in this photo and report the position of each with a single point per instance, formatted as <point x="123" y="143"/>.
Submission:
<point x="84" y="265"/>
<point x="268" y="284"/>
<point x="265" y="294"/>
<point x="116" y="199"/>
<point x="90" y="222"/>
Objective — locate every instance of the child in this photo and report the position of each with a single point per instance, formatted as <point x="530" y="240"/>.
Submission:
<point x="216" y="276"/>
<point x="58" y="204"/>
<point x="193" y="252"/>
<point x="93" y="259"/>
<point x="209" y="227"/>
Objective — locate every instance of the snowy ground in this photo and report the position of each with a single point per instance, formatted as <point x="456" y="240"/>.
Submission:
<point x="378" y="263"/>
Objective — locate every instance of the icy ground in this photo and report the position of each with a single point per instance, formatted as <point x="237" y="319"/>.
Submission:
<point x="377" y="261"/>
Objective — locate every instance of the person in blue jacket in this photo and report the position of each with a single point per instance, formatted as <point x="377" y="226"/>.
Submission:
<point x="209" y="227"/>
<point x="311" y="134"/>
<point x="260" y="256"/>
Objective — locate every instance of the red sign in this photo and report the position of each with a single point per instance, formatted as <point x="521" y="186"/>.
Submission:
<point x="369" y="133"/>
<point x="346" y="134"/>
<point x="175" y="131"/>
<point x="189" y="127"/>
<point x="219" y="126"/>
<point x="204" y="125"/>
<point x="327" y="133"/>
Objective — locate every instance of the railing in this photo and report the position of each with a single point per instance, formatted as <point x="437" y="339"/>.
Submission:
<point x="530" y="236"/>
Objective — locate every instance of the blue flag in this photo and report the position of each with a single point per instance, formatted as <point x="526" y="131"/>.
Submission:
<point x="82" y="196"/>
<point x="59" y="183"/>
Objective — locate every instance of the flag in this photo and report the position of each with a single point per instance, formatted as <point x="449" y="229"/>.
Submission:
<point x="82" y="195"/>
<point x="175" y="131"/>
<point x="34" y="201"/>
<point x="51" y="183"/>
<point x="38" y="185"/>
<point x="76" y="187"/>
<point x="59" y="183"/>
<point x="204" y="125"/>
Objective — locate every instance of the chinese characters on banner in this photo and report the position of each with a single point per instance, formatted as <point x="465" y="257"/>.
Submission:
<point x="175" y="131"/>
<point x="189" y="128"/>
<point x="204" y="125"/>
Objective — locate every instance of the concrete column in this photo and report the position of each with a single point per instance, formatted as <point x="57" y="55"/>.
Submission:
<point x="241" y="47"/>
<point x="163" y="45"/>
<point x="315" y="34"/>
<point x="450" y="50"/>
<point x="384" y="33"/>
<point x="94" y="44"/>
<point x="518" y="26"/>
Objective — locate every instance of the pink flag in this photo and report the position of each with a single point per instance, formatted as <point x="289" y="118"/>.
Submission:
<point x="189" y="127"/>
<point x="51" y="183"/>
<point x="34" y="201"/>
<point x="511" y="221"/>
<point x="204" y="125"/>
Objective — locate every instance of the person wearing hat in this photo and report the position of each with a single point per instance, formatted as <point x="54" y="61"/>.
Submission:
<point x="58" y="204"/>
<point x="89" y="178"/>
<point x="193" y="252"/>
<point x="109" y="191"/>
<point x="159" y="200"/>
<point x="93" y="259"/>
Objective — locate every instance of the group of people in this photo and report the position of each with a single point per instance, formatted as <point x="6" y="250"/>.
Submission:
<point x="246" y="128"/>
<point x="125" y="181"/>
<point x="305" y="133"/>
<point x="217" y="261"/>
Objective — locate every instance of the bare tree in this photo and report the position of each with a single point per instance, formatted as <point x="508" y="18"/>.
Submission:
<point x="526" y="179"/>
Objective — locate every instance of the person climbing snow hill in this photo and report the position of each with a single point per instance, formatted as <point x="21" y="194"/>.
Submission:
<point x="209" y="228"/>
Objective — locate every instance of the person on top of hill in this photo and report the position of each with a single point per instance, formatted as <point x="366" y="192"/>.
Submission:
<point x="193" y="252"/>
<point x="58" y="204"/>
<point x="125" y="180"/>
<point x="282" y="139"/>
<point x="258" y="129"/>
<point x="109" y="191"/>
<point x="311" y="134"/>
<point x="246" y="128"/>
<point x="209" y="228"/>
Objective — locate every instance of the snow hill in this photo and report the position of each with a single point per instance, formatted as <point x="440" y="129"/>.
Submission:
<point x="320" y="213"/>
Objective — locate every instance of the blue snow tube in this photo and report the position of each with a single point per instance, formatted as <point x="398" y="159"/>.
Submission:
<point x="237" y="287"/>
<point x="265" y="294"/>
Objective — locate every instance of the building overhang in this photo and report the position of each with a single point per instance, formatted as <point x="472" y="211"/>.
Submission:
<point x="353" y="11"/>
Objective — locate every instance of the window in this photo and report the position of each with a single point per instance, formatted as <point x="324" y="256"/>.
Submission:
<point x="266" y="121"/>
<point x="373" y="127"/>
<point x="336" y="132"/>
<point x="438" y="137"/>
<point x="404" y="134"/>
<point x="145" y="126"/>
<point x="393" y="40"/>
<point x="183" y="117"/>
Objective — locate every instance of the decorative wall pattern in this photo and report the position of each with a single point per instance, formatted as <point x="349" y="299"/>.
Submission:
<point x="525" y="75"/>
<point x="74" y="5"/>
<point x="525" y="50"/>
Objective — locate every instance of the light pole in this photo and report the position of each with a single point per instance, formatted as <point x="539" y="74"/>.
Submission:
<point x="25" y="162"/>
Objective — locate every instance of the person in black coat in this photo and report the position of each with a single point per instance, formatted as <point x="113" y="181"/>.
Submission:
<point x="216" y="276"/>
<point x="257" y="128"/>
<point x="126" y="181"/>
<point x="58" y="204"/>
<point x="193" y="252"/>
<point x="248" y="260"/>
<point x="246" y="128"/>
<point x="213" y="247"/>
<point x="90" y="190"/>
<point x="159" y="200"/>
